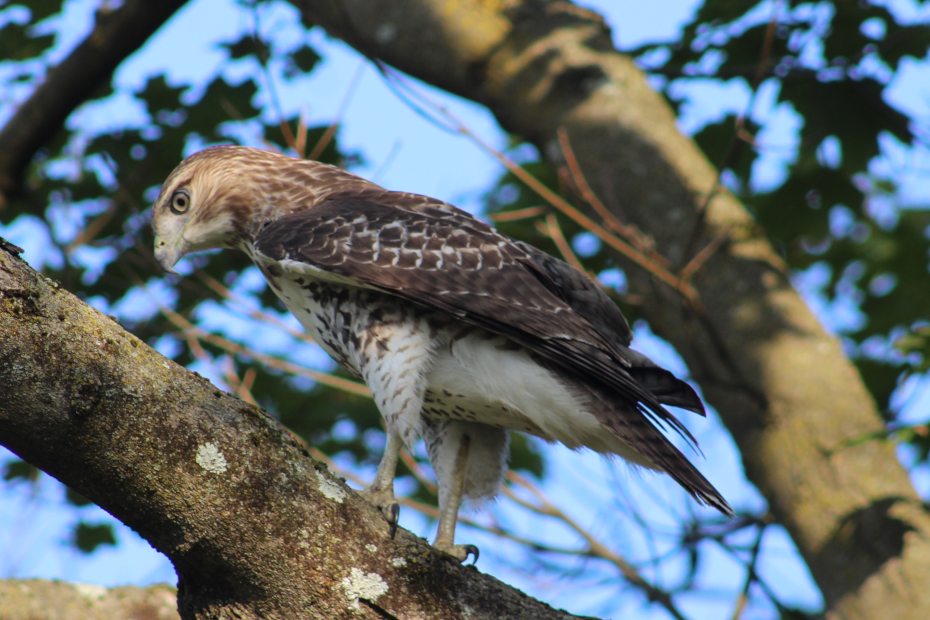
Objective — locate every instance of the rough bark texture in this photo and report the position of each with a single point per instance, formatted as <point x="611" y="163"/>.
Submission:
<point x="254" y="527"/>
<point x="795" y="405"/>
<point x="39" y="599"/>
<point x="116" y="35"/>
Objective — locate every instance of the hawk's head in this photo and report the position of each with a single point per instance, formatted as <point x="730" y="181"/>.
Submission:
<point x="206" y="203"/>
<point x="219" y="198"/>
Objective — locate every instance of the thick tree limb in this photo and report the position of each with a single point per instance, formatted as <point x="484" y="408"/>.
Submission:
<point x="116" y="35"/>
<point x="795" y="405"/>
<point x="255" y="528"/>
<point x="39" y="599"/>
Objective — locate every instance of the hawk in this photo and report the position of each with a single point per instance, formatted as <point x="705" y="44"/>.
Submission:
<point x="461" y="333"/>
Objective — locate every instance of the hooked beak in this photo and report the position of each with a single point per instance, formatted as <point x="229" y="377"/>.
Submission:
<point x="167" y="255"/>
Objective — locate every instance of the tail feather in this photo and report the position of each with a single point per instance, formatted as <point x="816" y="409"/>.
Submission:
<point x="631" y="426"/>
<point x="667" y="388"/>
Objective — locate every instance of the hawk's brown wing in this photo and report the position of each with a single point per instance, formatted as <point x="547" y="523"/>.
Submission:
<point x="571" y="286"/>
<point x="451" y="262"/>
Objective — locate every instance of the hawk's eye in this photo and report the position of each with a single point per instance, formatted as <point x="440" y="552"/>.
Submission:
<point x="180" y="202"/>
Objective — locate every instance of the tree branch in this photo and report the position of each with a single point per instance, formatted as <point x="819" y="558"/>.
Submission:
<point x="794" y="404"/>
<point x="39" y="599"/>
<point x="116" y="35"/>
<point x="255" y="528"/>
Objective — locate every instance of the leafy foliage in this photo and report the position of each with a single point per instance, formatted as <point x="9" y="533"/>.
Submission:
<point x="20" y="39"/>
<point x="20" y="470"/>
<point x="831" y="62"/>
<point x="87" y="537"/>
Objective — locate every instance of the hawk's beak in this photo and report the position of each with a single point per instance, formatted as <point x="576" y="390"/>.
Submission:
<point x="167" y="255"/>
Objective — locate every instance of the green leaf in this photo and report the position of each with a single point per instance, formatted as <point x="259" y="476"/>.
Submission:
<point x="916" y="341"/>
<point x="845" y="39"/>
<point x="306" y="58"/>
<point x="880" y="378"/>
<point x="247" y="46"/>
<point x="16" y="44"/>
<point x="20" y="470"/>
<point x="88" y="538"/>
<point x="901" y="41"/>
<point x="40" y="9"/>
<point x="76" y="499"/>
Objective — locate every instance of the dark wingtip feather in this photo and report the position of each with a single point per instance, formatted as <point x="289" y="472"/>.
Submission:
<point x="715" y="500"/>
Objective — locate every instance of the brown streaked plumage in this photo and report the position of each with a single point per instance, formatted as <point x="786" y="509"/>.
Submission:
<point x="461" y="333"/>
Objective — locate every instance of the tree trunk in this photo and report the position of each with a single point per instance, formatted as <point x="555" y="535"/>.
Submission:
<point x="255" y="528"/>
<point x="795" y="405"/>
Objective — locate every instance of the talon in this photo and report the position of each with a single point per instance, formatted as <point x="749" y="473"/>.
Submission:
<point x="393" y="518"/>
<point x="384" y="501"/>
<point x="459" y="552"/>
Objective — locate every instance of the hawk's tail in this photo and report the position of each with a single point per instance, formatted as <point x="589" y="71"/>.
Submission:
<point x="631" y="425"/>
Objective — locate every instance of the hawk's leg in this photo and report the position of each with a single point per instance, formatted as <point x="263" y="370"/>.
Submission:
<point x="449" y="507"/>
<point x="393" y="356"/>
<point x="381" y="492"/>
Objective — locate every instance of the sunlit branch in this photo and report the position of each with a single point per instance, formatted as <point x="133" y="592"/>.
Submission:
<point x="644" y="244"/>
<point x="327" y="136"/>
<point x="551" y="229"/>
<point x="520" y="214"/>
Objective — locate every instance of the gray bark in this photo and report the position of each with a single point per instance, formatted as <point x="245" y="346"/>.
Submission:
<point x="255" y="528"/>
<point x="795" y="405"/>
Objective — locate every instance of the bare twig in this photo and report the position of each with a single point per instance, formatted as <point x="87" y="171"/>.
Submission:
<point x="520" y="214"/>
<point x="224" y="292"/>
<point x="327" y="136"/>
<point x="596" y="547"/>
<point x="418" y="472"/>
<point x="701" y="257"/>
<point x="743" y="598"/>
<point x="233" y="347"/>
<point x="584" y="221"/>
<point x="580" y="183"/>
<point x="551" y="229"/>
<point x="242" y="387"/>
<point x="395" y="149"/>
<point x="188" y="329"/>
<point x="452" y="123"/>
<point x="738" y="138"/>
<point x="300" y="145"/>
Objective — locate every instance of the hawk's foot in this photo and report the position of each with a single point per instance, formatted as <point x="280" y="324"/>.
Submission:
<point x="461" y="552"/>
<point x="383" y="500"/>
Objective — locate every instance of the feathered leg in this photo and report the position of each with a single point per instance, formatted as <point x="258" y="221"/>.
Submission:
<point x="395" y="356"/>
<point x="450" y="498"/>
<point x="469" y="460"/>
